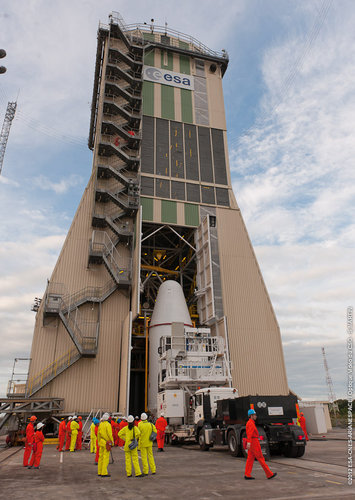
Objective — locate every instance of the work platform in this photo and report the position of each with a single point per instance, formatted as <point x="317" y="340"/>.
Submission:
<point x="182" y="471"/>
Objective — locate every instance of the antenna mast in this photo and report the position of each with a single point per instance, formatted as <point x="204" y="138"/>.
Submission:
<point x="9" y="116"/>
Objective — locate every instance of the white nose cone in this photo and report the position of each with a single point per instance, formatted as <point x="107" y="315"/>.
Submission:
<point x="170" y="307"/>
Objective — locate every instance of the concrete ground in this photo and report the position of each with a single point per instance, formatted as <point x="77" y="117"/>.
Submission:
<point x="182" y="472"/>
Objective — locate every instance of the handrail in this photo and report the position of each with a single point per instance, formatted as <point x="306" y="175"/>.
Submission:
<point x="196" y="44"/>
<point x="51" y="370"/>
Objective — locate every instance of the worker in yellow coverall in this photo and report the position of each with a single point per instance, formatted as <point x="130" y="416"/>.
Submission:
<point x="146" y="444"/>
<point x="74" y="428"/>
<point x="92" y="438"/>
<point x="105" y="442"/>
<point x="129" y="434"/>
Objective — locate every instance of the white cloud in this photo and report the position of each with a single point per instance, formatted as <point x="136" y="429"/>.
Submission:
<point x="58" y="187"/>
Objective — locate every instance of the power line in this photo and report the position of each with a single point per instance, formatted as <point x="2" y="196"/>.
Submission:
<point x="312" y="36"/>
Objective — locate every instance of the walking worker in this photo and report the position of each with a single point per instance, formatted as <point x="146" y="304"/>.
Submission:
<point x="130" y="434"/>
<point x="105" y="442"/>
<point x="161" y="424"/>
<point x="68" y="434"/>
<point x="79" y="438"/>
<point x="146" y="444"/>
<point x="92" y="437"/>
<point x="61" y="434"/>
<point x="74" y="429"/>
<point x="302" y="421"/>
<point x="30" y="431"/>
<point x="254" y="449"/>
<point x="37" y="447"/>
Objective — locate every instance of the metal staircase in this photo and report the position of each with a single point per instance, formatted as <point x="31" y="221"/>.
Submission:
<point x="118" y="144"/>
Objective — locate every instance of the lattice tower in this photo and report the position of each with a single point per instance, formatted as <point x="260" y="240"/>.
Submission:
<point x="5" y="131"/>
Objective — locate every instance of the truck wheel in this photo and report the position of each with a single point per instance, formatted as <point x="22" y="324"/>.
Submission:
<point x="291" y="451"/>
<point x="300" y="451"/>
<point x="202" y="442"/>
<point x="233" y="443"/>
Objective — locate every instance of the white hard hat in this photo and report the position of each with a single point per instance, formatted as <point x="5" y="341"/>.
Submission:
<point x="144" y="416"/>
<point x="69" y="418"/>
<point x="162" y="414"/>
<point x="105" y="416"/>
<point x="130" y="419"/>
<point x="74" y="417"/>
<point x="40" y="425"/>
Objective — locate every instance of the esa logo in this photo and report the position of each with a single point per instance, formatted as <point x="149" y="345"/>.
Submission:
<point x="168" y="78"/>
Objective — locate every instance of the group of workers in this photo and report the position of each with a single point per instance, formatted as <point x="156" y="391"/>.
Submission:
<point x="70" y="433"/>
<point x="33" y="444"/>
<point x="131" y="433"/>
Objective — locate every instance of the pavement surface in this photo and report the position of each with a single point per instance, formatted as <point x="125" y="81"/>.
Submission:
<point x="181" y="472"/>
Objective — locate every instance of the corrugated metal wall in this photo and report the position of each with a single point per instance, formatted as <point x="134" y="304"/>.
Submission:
<point x="254" y="335"/>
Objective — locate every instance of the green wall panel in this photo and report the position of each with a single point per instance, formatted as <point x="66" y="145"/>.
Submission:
<point x="191" y="215"/>
<point x="148" y="98"/>
<point x="147" y="208"/>
<point x="149" y="58"/>
<point x="186" y="106"/>
<point x="169" y="55"/>
<point x="185" y="65"/>
<point x="168" y="211"/>
<point x="167" y="102"/>
<point x="183" y="45"/>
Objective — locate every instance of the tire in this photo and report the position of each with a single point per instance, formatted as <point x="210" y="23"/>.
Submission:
<point x="233" y="444"/>
<point x="300" y="451"/>
<point x="202" y="442"/>
<point x="291" y="451"/>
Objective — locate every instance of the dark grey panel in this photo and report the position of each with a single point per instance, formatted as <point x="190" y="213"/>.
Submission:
<point x="191" y="158"/>
<point x="204" y="147"/>
<point x="177" y="150"/>
<point x="222" y="197"/>
<point x="193" y="192"/>
<point x="177" y="190"/>
<point x="207" y="193"/>
<point x="147" y="149"/>
<point x="220" y="174"/>
<point x="162" y="188"/>
<point x="147" y="185"/>
<point x="162" y="147"/>
<point x="165" y="39"/>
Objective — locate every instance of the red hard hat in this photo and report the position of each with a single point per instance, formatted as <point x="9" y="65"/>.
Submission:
<point x="80" y="418"/>
<point x="33" y="418"/>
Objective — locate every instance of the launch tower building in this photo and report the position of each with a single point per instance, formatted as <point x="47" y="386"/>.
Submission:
<point x="159" y="205"/>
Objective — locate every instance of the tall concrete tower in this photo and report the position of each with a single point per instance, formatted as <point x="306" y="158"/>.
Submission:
<point x="159" y="205"/>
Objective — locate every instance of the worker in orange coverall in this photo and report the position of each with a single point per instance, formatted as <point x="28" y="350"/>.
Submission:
<point x="61" y="434"/>
<point x="254" y="449"/>
<point x="79" y="438"/>
<point x="161" y="424"/>
<point x="30" y="431"/>
<point x="122" y="424"/>
<point x="114" y="426"/>
<point x="105" y="442"/>
<point x="68" y="434"/>
<point x="37" y="447"/>
<point x="302" y="422"/>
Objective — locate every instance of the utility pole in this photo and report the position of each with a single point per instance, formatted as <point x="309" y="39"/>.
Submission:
<point x="9" y="116"/>
<point x="331" y="393"/>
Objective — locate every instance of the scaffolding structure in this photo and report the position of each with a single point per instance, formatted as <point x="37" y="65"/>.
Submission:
<point x="5" y="131"/>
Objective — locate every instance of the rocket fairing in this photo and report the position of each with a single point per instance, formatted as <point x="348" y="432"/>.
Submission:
<point x="170" y="307"/>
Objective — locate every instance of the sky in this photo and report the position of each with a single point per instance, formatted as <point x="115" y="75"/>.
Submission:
<point x="290" y="107"/>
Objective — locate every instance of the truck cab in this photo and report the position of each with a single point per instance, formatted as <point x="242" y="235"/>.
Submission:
<point x="215" y="394"/>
